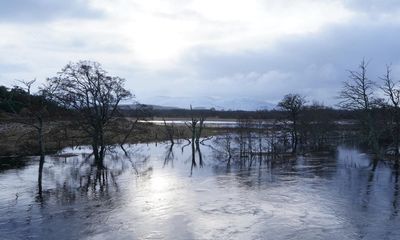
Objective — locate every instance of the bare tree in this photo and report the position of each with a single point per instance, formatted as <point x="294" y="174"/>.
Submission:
<point x="293" y="104"/>
<point x="200" y="128"/>
<point x="391" y="89"/>
<point x="244" y="139"/>
<point x="33" y="116"/>
<point x="192" y="125"/>
<point x="224" y="146"/>
<point x="196" y="126"/>
<point x="27" y="85"/>
<point x="94" y="95"/>
<point x="170" y="131"/>
<point x="358" y="94"/>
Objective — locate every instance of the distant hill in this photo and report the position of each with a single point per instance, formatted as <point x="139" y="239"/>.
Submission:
<point x="246" y="104"/>
<point x="148" y="106"/>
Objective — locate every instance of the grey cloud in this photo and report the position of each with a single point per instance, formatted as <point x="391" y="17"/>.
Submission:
<point x="8" y="71"/>
<point x="373" y="6"/>
<point x="312" y="64"/>
<point x="315" y="65"/>
<point x="44" y="10"/>
<point x="340" y="45"/>
<point x="12" y="67"/>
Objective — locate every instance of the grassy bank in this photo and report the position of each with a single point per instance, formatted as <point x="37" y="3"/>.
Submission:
<point x="21" y="140"/>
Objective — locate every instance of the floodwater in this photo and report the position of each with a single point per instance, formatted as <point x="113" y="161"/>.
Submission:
<point x="230" y="124"/>
<point x="155" y="193"/>
<point x="209" y="123"/>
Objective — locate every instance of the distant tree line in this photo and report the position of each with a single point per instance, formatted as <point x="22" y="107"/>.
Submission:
<point x="17" y="98"/>
<point x="150" y="112"/>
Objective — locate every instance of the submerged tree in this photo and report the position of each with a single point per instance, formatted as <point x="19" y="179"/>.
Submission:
<point x="33" y="115"/>
<point x="87" y="89"/>
<point x="391" y="89"/>
<point x="358" y="94"/>
<point x="293" y="104"/>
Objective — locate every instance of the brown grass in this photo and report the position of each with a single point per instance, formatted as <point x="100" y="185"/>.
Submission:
<point x="21" y="140"/>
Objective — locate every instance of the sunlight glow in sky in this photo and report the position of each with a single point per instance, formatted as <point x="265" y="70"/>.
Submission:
<point x="212" y="53"/>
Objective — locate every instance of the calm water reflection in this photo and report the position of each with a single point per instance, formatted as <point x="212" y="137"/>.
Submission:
<point x="159" y="192"/>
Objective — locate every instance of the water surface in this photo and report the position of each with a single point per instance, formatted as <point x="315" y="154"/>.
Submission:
<point x="155" y="193"/>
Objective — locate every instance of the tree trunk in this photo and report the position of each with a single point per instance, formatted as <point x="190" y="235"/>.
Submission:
<point x="41" y="164"/>
<point x="295" y="138"/>
<point x="42" y="154"/>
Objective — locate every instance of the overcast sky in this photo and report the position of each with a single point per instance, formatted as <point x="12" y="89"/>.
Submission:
<point x="220" y="53"/>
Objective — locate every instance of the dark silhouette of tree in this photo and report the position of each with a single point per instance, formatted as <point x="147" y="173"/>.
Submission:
<point x="391" y="89"/>
<point x="224" y="146"/>
<point x="293" y="104"/>
<point x="195" y="126"/>
<point x="357" y="94"/>
<point x="34" y="114"/>
<point x="170" y="131"/>
<point x="87" y="89"/>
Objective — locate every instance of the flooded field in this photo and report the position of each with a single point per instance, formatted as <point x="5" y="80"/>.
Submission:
<point x="156" y="192"/>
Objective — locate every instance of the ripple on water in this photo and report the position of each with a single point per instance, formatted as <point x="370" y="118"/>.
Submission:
<point x="305" y="198"/>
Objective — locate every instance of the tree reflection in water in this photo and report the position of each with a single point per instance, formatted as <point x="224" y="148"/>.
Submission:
<point x="347" y="189"/>
<point x="169" y="155"/>
<point x="80" y="174"/>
